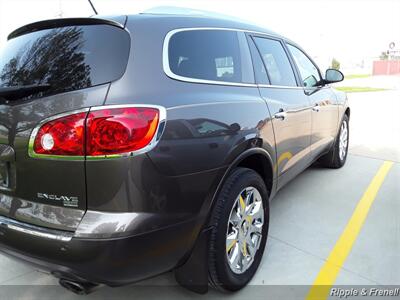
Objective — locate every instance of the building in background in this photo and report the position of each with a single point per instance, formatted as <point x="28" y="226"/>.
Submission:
<point x="389" y="62"/>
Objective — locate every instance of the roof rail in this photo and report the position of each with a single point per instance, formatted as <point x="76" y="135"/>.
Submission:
<point x="183" y="11"/>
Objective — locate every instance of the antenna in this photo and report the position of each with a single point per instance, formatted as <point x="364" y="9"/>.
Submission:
<point x="60" y="12"/>
<point x="94" y="9"/>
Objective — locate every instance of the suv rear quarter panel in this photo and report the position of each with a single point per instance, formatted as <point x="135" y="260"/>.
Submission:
<point x="178" y="178"/>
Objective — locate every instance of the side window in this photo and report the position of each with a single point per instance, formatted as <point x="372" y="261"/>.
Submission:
<point x="259" y="68"/>
<point x="209" y="55"/>
<point x="308" y="71"/>
<point x="276" y="61"/>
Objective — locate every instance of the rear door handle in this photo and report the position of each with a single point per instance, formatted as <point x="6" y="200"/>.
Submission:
<point x="281" y="115"/>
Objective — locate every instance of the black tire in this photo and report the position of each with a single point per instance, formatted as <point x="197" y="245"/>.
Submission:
<point x="332" y="159"/>
<point x="221" y="276"/>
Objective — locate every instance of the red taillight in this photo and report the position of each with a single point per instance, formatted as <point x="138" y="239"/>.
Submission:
<point x="120" y="130"/>
<point x="100" y="132"/>
<point x="63" y="136"/>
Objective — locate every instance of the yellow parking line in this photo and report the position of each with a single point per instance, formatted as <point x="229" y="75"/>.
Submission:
<point x="330" y="270"/>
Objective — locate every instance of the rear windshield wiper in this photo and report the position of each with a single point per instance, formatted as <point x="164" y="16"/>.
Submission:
<point x="17" y="92"/>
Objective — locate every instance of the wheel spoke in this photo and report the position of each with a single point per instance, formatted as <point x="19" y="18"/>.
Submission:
<point x="231" y="240"/>
<point x="251" y="246"/>
<point x="244" y="263"/>
<point x="243" y="247"/>
<point x="235" y="256"/>
<point x="235" y="218"/>
<point x="257" y="210"/>
<point x="242" y="204"/>
<point x="247" y="201"/>
<point x="256" y="228"/>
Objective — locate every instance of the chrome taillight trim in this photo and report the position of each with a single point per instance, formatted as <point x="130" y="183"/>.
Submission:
<point x="157" y="136"/>
<point x="162" y="119"/>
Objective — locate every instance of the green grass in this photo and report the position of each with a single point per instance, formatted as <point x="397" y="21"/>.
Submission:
<point x="352" y="76"/>
<point x="358" y="89"/>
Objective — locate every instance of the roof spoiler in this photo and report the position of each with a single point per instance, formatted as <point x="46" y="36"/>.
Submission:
<point x="55" y="23"/>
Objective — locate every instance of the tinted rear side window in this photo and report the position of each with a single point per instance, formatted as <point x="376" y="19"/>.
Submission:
<point x="259" y="69"/>
<point x="67" y="58"/>
<point x="276" y="61"/>
<point x="208" y="55"/>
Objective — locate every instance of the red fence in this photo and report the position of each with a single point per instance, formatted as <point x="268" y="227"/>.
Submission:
<point x="386" y="67"/>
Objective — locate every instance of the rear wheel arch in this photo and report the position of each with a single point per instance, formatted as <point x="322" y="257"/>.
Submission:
<point x="257" y="159"/>
<point x="262" y="164"/>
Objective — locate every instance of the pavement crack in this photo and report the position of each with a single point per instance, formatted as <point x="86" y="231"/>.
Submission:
<point x="15" y="277"/>
<point x="372" y="157"/>
<point x="324" y="259"/>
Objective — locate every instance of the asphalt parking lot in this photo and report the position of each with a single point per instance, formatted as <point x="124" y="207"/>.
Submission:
<point x="309" y="218"/>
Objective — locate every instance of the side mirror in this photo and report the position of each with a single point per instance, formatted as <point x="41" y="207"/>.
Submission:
<point x="234" y="128"/>
<point x="333" y="75"/>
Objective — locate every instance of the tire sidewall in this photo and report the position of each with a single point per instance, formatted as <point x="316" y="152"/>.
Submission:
<point x="230" y="280"/>
<point x="343" y="161"/>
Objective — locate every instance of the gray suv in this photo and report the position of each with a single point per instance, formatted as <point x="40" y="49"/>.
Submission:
<point x="136" y="145"/>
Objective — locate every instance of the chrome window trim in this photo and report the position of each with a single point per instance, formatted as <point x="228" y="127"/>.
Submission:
<point x="157" y="136"/>
<point x="211" y="103"/>
<point x="280" y="86"/>
<point x="167" y="70"/>
<point x="169" y="73"/>
<point x="35" y="231"/>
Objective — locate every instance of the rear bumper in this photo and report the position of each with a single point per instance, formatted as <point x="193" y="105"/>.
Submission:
<point x="110" y="261"/>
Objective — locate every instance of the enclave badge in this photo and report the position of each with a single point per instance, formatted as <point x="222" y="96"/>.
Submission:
<point x="68" y="201"/>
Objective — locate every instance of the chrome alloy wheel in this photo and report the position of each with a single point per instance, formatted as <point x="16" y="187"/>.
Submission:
<point x="343" y="140"/>
<point x="244" y="232"/>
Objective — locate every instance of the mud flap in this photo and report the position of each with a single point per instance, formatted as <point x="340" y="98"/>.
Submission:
<point x="193" y="275"/>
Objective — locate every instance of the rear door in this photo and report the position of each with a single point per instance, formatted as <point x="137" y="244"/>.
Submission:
<point x="323" y="101"/>
<point x="288" y="105"/>
<point x="75" y="60"/>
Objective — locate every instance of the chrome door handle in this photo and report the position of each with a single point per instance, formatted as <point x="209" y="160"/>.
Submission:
<point x="281" y="115"/>
<point x="316" y="108"/>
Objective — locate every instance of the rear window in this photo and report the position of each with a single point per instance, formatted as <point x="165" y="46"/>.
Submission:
<point x="214" y="55"/>
<point x="66" y="58"/>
